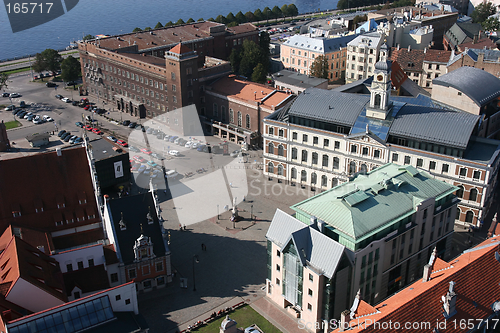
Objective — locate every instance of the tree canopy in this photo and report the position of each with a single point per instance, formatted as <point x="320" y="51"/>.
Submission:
<point x="4" y="79"/>
<point x="491" y="24"/>
<point x="70" y="69"/>
<point x="137" y="29"/>
<point x="190" y="20"/>
<point x="169" y="23"/>
<point x="200" y="19"/>
<point x="158" y="25"/>
<point x="319" y="67"/>
<point x="240" y="17"/>
<point x="250" y="16"/>
<point x="179" y="21"/>
<point x="88" y="37"/>
<point x="258" y="15"/>
<point x="482" y="11"/>
<point x="147" y="28"/>
<point x="259" y="74"/>
<point x="47" y="60"/>
<point x="277" y="12"/>
<point x="293" y="10"/>
<point x="358" y="19"/>
<point x="267" y="14"/>
<point x="230" y="17"/>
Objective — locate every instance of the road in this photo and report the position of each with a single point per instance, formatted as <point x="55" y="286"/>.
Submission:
<point x="23" y="63"/>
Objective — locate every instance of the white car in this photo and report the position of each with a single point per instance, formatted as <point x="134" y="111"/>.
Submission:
<point x="27" y="115"/>
<point x="173" y="153"/>
<point x="188" y="144"/>
<point x="66" y="100"/>
<point x="14" y="95"/>
<point x="47" y="118"/>
<point x="195" y="145"/>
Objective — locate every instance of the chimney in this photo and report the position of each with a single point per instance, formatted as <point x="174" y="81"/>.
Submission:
<point x="409" y="48"/>
<point x="428" y="268"/>
<point x="58" y="151"/>
<point x="425" y="50"/>
<point x="474" y="40"/>
<point x="344" y="320"/>
<point x="313" y="220"/>
<point x="398" y="47"/>
<point x="450" y="301"/>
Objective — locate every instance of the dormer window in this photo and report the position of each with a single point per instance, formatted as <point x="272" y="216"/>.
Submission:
<point x="60" y="201"/>
<point x="16" y="214"/>
<point x="38" y="206"/>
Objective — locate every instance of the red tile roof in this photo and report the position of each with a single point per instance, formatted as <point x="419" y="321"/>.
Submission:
<point x="441" y="56"/>
<point x="480" y="44"/>
<point x="51" y="180"/>
<point x="408" y="60"/>
<point x="250" y="92"/>
<point x="78" y="239"/>
<point x="476" y="277"/>
<point x="180" y="49"/>
<point x="19" y="260"/>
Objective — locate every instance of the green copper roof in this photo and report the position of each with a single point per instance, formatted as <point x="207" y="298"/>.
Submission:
<point x="373" y="201"/>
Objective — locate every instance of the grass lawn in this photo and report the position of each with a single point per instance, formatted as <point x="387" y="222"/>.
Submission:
<point x="20" y="70"/>
<point x="244" y="317"/>
<point x="12" y="124"/>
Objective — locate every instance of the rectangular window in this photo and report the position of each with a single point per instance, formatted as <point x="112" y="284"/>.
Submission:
<point x="376" y="153"/>
<point x="315" y="140"/>
<point x="278" y="253"/>
<point x="80" y="264"/>
<point x="365" y="151"/>
<point x="277" y="281"/>
<point x="354" y="148"/>
<point x="131" y="273"/>
<point x="294" y="136"/>
<point x="310" y="277"/>
<point x="463" y="172"/>
<point x="432" y="165"/>
<point x="407" y="160"/>
<point x="159" y="266"/>
<point x="278" y="268"/>
<point x="476" y="174"/>
<point x="114" y="277"/>
<point x="445" y="168"/>
<point x="326" y="143"/>
<point x="309" y="307"/>
<point x="91" y="262"/>
<point x="304" y="137"/>
<point x="337" y="144"/>
<point x="394" y="157"/>
<point x="69" y="267"/>
<point x="310" y="292"/>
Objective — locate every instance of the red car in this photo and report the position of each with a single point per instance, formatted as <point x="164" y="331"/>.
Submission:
<point x="122" y="143"/>
<point x="146" y="151"/>
<point x="86" y="107"/>
<point x="88" y="127"/>
<point x="96" y="131"/>
<point x="139" y="159"/>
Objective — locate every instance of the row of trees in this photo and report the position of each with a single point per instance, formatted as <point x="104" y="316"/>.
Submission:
<point x="50" y="60"/>
<point x="232" y="20"/>
<point x="481" y="15"/>
<point x="376" y="4"/>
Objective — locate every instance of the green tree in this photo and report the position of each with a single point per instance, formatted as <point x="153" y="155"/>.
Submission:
<point x="267" y="14"/>
<point x="147" y="28"/>
<point x="200" y="19"/>
<point x="158" y="25"/>
<point x="52" y="60"/>
<point x="491" y="24"/>
<point x="39" y="64"/>
<point x="250" y="17"/>
<point x="482" y="11"/>
<point x="191" y="20"/>
<point x="259" y="74"/>
<point x="258" y="15"/>
<point x="292" y="10"/>
<point x="240" y="17"/>
<point x="230" y="17"/>
<point x="137" y="29"/>
<point x="220" y="19"/>
<point x="211" y="19"/>
<point x="358" y="19"/>
<point x="264" y="41"/>
<point x="319" y="67"/>
<point x="169" y="24"/>
<point x="88" y="37"/>
<point x="70" y="69"/>
<point x="284" y="10"/>
<point x="232" y="24"/>
<point x="235" y="59"/>
<point x="277" y="13"/>
<point x="180" y="21"/>
<point x="4" y="79"/>
<point x="252" y="55"/>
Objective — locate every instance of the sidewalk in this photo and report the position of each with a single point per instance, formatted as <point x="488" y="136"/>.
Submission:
<point x="278" y="317"/>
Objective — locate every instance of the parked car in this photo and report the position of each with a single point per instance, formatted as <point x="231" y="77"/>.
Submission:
<point x="171" y="174"/>
<point x="78" y="140"/>
<point x="173" y="153"/>
<point x="133" y="149"/>
<point x="50" y="84"/>
<point x="157" y="156"/>
<point x="68" y="137"/>
<point x="152" y="164"/>
<point x="65" y="135"/>
<point x="188" y="144"/>
<point x="15" y="95"/>
<point x="139" y="158"/>
<point x="10" y="108"/>
<point x="5" y="94"/>
<point x="122" y="143"/>
<point x="146" y="151"/>
<point x="30" y="117"/>
<point x="66" y="100"/>
<point x="59" y="96"/>
<point x="61" y="132"/>
<point x="88" y="127"/>
<point x="134" y="167"/>
<point x="195" y="145"/>
<point x="22" y="104"/>
<point x="201" y="148"/>
<point x="96" y="131"/>
<point x="126" y="122"/>
<point x="72" y="139"/>
<point x="142" y="168"/>
<point x="79" y="124"/>
<point x="132" y="125"/>
<point x="112" y="138"/>
<point x="182" y="142"/>
<point x="86" y="107"/>
<point x="27" y="115"/>
<point x="47" y="118"/>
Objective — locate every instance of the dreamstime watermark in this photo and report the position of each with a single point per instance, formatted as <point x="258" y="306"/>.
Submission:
<point x="26" y="15"/>
<point x="197" y="198"/>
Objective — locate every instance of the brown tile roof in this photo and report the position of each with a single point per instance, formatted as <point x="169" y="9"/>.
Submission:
<point x="432" y="55"/>
<point x="19" y="260"/>
<point x="249" y="92"/>
<point x="408" y="60"/>
<point x="242" y="28"/>
<point x="475" y="274"/>
<point x="110" y="254"/>
<point x="34" y="237"/>
<point x="50" y="180"/>
<point x="480" y="44"/>
<point x="180" y="49"/>
<point x="145" y="58"/>
<point x="87" y="280"/>
<point x="78" y="239"/>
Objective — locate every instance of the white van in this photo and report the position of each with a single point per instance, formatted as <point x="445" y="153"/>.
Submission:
<point x="171" y="174"/>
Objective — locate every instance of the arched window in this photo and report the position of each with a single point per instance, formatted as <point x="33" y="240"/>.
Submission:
<point x="364" y="169"/>
<point x="469" y="216"/>
<point x="352" y="167"/>
<point x="460" y="191"/>
<point x="231" y="116"/>
<point x="314" y="158"/>
<point x="294" y="153"/>
<point x="271" y="130"/>
<point x="270" y="167"/>
<point x="336" y="163"/>
<point x="239" y="119"/>
<point x="473" y="195"/>
<point x="377" y="100"/>
<point x="280" y="133"/>
<point x="280" y="170"/>
<point x="325" y="161"/>
<point x="294" y="173"/>
<point x="303" y="176"/>
<point x="314" y="178"/>
<point x="304" y="156"/>
<point x="335" y="182"/>
<point x="324" y="181"/>
<point x="247" y="121"/>
<point x="280" y="150"/>
<point x="270" y="148"/>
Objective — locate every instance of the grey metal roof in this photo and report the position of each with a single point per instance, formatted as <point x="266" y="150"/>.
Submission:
<point x="297" y="79"/>
<point x="319" y="44"/>
<point x="489" y="55"/>
<point x="314" y="248"/>
<point x="479" y="85"/>
<point x="444" y="127"/>
<point x="329" y="106"/>
<point x="370" y="40"/>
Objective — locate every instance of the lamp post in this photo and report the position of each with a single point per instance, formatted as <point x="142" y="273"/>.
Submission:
<point x="195" y="260"/>
<point x="251" y="212"/>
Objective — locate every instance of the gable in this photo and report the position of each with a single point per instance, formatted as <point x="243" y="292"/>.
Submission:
<point x="369" y="138"/>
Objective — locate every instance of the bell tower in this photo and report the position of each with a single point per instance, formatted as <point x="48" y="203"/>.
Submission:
<point x="380" y="90"/>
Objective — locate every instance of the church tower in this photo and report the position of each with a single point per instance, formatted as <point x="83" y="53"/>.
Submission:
<point x="381" y="87"/>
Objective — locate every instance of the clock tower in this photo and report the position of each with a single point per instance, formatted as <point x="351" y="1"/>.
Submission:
<point x="380" y="90"/>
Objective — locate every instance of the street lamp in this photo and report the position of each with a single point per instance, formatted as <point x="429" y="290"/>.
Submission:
<point x="195" y="260"/>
